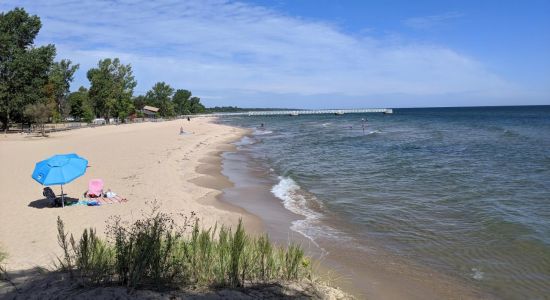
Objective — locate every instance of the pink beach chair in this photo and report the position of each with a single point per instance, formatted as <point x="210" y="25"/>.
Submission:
<point x="95" y="188"/>
<point x="95" y="191"/>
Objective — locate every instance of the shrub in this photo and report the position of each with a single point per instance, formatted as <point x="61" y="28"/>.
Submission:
<point x="154" y="252"/>
<point x="3" y="272"/>
<point x="3" y="256"/>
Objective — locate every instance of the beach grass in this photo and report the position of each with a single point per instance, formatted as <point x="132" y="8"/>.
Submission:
<point x="3" y="272"/>
<point x="153" y="252"/>
<point x="3" y="256"/>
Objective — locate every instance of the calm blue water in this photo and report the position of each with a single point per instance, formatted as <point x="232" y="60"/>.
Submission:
<point x="462" y="190"/>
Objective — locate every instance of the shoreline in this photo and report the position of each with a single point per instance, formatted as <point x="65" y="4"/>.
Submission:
<point x="142" y="162"/>
<point x="373" y="273"/>
<point x="210" y="168"/>
<point x="191" y="168"/>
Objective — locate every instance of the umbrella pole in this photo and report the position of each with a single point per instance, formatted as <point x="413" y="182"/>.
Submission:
<point x="62" y="197"/>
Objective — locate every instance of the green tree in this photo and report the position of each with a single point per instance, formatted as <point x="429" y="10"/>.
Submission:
<point x="23" y="67"/>
<point x="38" y="113"/>
<point x="60" y="77"/>
<point x="79" y="105"/>
<point x="181" y="102"/>
<point x="161" y="96"/>
<point x="195" y="106"/>
<point x="139" y="102"/>
<point x="112" y="86"/>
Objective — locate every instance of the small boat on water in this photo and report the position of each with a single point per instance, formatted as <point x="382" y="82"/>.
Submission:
<point x="293" y="114"/>
<point x="338" y="113"/>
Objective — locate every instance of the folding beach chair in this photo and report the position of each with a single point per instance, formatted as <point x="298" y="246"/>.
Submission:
<point x="50" y="195"/>
<point x="95" y="188"/>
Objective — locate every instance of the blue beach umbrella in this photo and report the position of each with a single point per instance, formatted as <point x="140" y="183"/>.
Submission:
<point x="59" y="169"/>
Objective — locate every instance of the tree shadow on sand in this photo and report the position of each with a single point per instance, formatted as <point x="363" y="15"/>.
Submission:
<point x="45" y="203"/>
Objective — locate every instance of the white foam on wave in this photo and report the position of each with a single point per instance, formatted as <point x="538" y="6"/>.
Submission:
<point x="262" y="132"/>
<point x="288" y="191"/>
<point x="246" y="140"/>
<point x="373" y="132"/>
<point x="477" y="274"/>
<point x="294" y="199"/>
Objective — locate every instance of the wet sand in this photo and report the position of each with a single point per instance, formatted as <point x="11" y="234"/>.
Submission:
<point x="185" y="173"/>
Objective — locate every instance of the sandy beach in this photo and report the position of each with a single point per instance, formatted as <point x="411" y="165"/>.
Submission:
<point x="141" y="162"/>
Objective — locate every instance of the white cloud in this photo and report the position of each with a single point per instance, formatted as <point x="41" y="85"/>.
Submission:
<point x="230" y="50"/>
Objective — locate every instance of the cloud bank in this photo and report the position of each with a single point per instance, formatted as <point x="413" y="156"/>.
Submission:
<point x="232" y="53"/>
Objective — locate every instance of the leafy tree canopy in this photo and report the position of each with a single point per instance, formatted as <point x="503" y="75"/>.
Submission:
<point x="80" y="106"/>
<point x="181" y="102"/>
<point x="139" y="102"/>
<point x="160" y="96"/>
<point x="196" y="106"/>
<point x="60" y="77"/>
<point x="24" y="68"/>
<point x="39" y="113"/>
<point x="112" y="86"/>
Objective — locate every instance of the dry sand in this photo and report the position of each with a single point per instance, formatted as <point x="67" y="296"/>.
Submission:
<point x="140" y="162"/>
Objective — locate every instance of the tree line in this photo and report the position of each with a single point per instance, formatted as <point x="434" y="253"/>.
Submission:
<point x="36" y="89"/>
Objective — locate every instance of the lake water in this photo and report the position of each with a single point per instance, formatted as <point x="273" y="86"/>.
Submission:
<point x="464" y="191"/>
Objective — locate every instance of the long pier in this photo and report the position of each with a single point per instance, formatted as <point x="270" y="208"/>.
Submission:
<point x="305" y="112"/>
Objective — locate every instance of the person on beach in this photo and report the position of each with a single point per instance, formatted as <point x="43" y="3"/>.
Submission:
<point x="181" y="130"/>
<point x="188" y="119"/>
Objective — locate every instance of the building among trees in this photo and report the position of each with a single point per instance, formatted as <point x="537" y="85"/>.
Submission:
<point x="150" y="111"/>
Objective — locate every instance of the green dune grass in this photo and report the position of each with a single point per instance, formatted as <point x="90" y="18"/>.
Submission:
<point x="154" y="252"/>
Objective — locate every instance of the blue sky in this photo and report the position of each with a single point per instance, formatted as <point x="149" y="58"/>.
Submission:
<point x="314" y="54"/>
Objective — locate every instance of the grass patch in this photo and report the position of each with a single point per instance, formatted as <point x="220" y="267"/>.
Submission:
<point x="3" y="256"/>
<point x="3" y="272"/>
<point x="154" y="252"/>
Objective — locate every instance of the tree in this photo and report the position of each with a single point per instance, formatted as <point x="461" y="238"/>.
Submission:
<point x="23" y="67"/>
<point x="112" y="86"/>
<point x="196" y="106"/>
<point x="59" y="82"/>
<point x="161" y="96"/>
<point x="38" y="113"/>
<point x="139" y="102"/>
<point x="79" y="105"/>
<point x="181" y="102"/>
